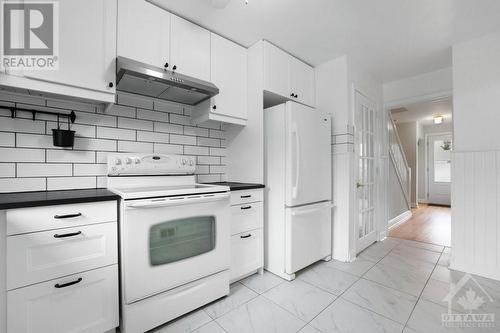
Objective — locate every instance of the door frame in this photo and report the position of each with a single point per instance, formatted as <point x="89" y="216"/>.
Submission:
<point x="427" y="166"/>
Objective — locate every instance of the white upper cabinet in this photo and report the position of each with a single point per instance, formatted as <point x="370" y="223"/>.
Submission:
<point x="144" y="32"/>
<point x="229" y="74"/>
<point x="87" y="51"/>
<point x="302" y="82"/>
<point x="287" y="76"/>
<point x="276" y="70"/>
<point x="189" y="48"/>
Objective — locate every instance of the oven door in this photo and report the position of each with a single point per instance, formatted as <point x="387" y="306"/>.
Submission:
<point x="168" y="242"/>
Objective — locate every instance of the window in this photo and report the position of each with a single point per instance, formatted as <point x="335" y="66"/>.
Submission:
<point x="442" y="161"/>
<point x="175" y="240"/>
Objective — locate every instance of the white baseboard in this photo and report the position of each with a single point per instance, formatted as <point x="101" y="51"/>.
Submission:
<point x="401" y="218"/>
<point x="424" y="201"/>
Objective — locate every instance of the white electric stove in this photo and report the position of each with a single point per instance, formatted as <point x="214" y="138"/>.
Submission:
<point x="174" y="238"/>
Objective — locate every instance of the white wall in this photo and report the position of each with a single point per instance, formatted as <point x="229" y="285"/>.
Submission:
<point x="476" y="157"/>
<point x="335" y="84"/>
<point x="417" y="88"/>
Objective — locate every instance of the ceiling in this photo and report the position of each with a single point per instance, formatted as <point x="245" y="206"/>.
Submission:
<point x="392" y="39"/>
<point x="423" y="112"/>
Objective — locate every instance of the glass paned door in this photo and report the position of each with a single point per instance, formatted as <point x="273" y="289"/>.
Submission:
<point x="364" y="114"/>
<point x="439" y="169"/>
<point x="180" y="239"/>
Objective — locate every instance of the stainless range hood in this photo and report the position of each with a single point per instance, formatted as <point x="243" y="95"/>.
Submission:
<point x="139" y="78"/>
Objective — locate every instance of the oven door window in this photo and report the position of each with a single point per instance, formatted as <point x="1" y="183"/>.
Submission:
<point x="176" y="240"/>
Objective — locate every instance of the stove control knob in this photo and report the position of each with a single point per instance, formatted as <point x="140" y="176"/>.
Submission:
<point x="118" y="161"/>
<point x="191" y="162"/>
<point x="137" y="160"/>
<point x="184" y="161"/>
<point x="128" y="160"/>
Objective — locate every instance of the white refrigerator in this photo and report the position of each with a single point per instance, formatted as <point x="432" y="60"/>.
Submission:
<point x="298" y="207"/>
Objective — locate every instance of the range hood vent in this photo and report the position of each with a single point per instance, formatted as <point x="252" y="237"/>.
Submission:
<point x="142" y="79"/>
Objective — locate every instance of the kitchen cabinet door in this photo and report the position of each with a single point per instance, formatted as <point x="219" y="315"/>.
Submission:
<point x="189" y="48"/>
<point x="229" y="74"/>
<point x="302" y="82"/>
<point x="276" y="70"/>
<point x="246" y="254"/>
<point x="87" y="46"/>
<point x="143" y="32"/>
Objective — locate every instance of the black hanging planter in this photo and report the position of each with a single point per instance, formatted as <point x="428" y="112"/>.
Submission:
<point x="63" y="138"/>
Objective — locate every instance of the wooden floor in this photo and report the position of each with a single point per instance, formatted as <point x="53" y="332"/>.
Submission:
<point x="429" y="224"/>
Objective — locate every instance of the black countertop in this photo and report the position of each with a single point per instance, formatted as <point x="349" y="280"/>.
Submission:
<point x="48" y="198"/>
<point x="235" y="186"/>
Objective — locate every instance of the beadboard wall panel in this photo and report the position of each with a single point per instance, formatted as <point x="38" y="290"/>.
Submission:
<point x="475" y="198"/>
<point x="29" y="161"/>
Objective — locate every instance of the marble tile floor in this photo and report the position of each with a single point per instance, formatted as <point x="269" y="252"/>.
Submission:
<point x="393" y="286"/>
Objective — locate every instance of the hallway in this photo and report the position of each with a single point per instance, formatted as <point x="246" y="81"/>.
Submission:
<point x="429" y="224"/>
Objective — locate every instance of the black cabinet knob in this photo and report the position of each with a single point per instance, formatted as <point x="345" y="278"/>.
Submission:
<point x="175" y="67"/>
<point x="214" y="107"/>
<point x="166" y="65"/>
<point x="111" y="85"/>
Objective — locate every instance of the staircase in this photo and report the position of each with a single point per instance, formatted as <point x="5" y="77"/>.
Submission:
<point x="398" y="158"/>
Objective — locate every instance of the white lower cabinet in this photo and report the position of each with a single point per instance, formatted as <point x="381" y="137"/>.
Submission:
<point x="247" y="222"/>
<point x="84" y="302"/>
<point x="246" y="253"/>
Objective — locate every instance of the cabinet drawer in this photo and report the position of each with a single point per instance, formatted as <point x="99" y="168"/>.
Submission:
<point x="242" y="197"/>
<point x="41" y="256"/>
<point x="247" y="217"/>
<point x="90" y="305"/>
<point x="24" y="220"/>
<point x="246" y="254"/>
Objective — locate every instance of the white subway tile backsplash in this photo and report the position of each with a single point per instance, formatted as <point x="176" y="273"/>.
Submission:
<point x="102" y="182"/>
<point x="209" y="178"/>
<point x="22" y="155"/>
<point x="168" y="128"/>
<point x="119" y="110"/>
<point x="168" y="107"/>
<point x="67" y="183"/>
<point x="162" y="148"/>
<point x="90" y="169"/>
<point x="44" y="170"/>
<point x="70" y="156"/>
<point x="22" y="125"/>
<point x="29" y="161"/>
<point x="135" y="147"/>
<point x="22" y="184"/>
<point x="152" y="115"/>
<point x="94" y="144"/>
<point x="211" y="125"/>
<point x="135" y="124"/>
<point x="182" y="139"/>
<point x="115" y="133"/>
<point x="7" y="139"/>
<point x="152" y="137"/>
<point x="7" y="170"/>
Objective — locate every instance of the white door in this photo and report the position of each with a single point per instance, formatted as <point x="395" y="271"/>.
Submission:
<point x="182" y="238"/>
<point x="144" y="33"/>
<point x="308" y="155"/>
<point x="301" y="82"/>
<point x="229" y="74"/>
<point x="308" y="231"/>
<point x="439" y="166"/>
<point x="189" y="48"/>
<point x="276" y="70"/>
<point x="87" y="46"/>
<point x="364" y="117"/>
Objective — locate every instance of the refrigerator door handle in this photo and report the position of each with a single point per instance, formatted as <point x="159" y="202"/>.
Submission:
<point x="297" y="161"/>
<point x="312" y="210"/>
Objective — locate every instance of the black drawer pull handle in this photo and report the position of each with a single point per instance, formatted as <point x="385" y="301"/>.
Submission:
<point x="246" y="236"/>
<point x="246" y="196"/>
<point x="246" y="207"/>
<point x="68" y="235"/>
<point x="67" y="216"/>
<point x="57" y="285"/>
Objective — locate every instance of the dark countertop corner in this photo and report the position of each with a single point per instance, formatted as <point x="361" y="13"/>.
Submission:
<point x="48" y="198"/>
<point x="236" y="186"/>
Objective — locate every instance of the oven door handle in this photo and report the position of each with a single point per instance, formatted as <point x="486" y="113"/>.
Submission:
<point x="175" y="201"/>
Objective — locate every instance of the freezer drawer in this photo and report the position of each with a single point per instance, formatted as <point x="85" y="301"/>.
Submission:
<point x="308" y="234"/>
